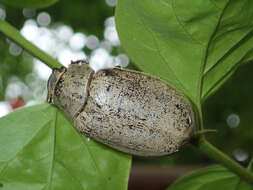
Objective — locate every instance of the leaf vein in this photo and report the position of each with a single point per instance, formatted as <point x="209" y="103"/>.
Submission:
<point x="70" y="173"/>
<point x="25" y="144"/>
<point x="232" y="69"/>
<point x="164" y="61"/>
<point x="227" y="53"/>
<point x="204" y="59"/>
<point x="183" y="27"/>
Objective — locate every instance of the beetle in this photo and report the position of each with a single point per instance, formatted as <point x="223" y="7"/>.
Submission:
<point x="130" y="111"/>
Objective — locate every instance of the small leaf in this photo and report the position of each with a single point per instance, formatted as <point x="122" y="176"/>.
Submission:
<point x="41" y="150"/>
<point x="29" y="3"/>
<point x="194" y="45"/>
<point x="214" y="177"/>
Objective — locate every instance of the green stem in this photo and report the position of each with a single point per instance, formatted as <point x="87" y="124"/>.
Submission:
<point x="220" y="157"/>
<point x="200" y="117"/>
<point x="13" y="34"/>
<point x="217" y="155"/>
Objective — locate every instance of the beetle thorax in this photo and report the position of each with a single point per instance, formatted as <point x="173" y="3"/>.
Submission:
<point x="70" y="90"/>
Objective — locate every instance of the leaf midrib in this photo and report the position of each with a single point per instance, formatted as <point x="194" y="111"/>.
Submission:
<point x="50" y="172"/>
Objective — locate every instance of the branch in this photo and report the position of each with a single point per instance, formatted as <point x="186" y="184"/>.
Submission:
<point x="222" y="158"/>
<point x="13" y="34"/>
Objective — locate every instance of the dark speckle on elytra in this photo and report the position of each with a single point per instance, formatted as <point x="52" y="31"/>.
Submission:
<point x="98" y="106"/>
<point x="77" y="96"/>
<point x="130" y="126"/>
<point x="108" y="88"/>
<point x="180" y="107"/>
<point x="188" y="121"/>
<point x="108" y="73"/>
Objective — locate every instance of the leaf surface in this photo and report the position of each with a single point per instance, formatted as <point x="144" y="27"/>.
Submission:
<point x="40" y="149"/>
<point x="194" y="45"/>
<point x="214" y="177"/>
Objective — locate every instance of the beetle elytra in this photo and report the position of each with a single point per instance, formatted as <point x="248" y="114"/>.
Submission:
<point x="130" y="111"/>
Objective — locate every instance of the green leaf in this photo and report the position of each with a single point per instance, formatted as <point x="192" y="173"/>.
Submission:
<point x="214" y="177"/>
<point x="41" y="150"/>
<point x="29" y="3"/>
<point x="194" y="45"/>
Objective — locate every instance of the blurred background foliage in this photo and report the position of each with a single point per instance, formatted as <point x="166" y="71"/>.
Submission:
<point x="23" y="79"/>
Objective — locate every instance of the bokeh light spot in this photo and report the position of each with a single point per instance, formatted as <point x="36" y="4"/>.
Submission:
<point x="77" y="41"/>
<point x="122" y="60"/>
<point x="41" y="69"/>
<point x="2" y="13"/>
<point x="101" y="59"/>
<point x="30" y="30"/>
<point x="111" y="35"/>
<point x="233" y="120"/>
<point x="15" y="89"/>
<point x="5" y="108"/>
<point x="92" y="42"/>
<point x="110" y="21"/>
<point x="28" y="13"/>
<point x="64" y="32"/>
<point x="240" y="155"/>
<point x="106" y="45"/>
<point x="111" y="3"/>
<point x="14" y="49"/>
<point x="44" y="19"/>
<point x="66" y="56"/>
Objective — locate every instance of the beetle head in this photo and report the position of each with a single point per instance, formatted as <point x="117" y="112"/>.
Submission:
<point x="52" y="82"/>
